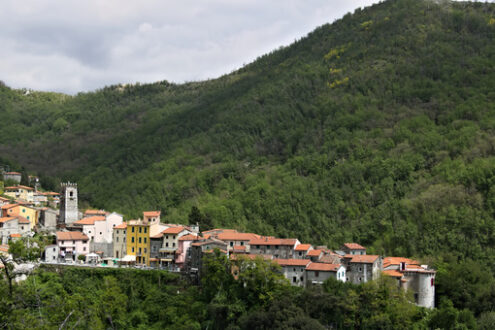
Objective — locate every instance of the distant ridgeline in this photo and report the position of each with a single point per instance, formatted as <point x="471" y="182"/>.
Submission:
<point x="377" y="128"/>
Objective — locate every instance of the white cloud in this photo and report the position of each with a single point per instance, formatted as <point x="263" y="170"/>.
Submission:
<point x="73" y="46"/>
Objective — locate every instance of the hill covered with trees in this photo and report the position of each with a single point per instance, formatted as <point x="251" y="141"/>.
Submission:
<point x="378" y="128"/>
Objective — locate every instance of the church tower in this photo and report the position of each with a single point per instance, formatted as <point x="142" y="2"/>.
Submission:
<point x="68" y="204"/>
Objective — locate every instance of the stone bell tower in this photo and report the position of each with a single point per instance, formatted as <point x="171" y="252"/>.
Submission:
<point x="68" y="203"/>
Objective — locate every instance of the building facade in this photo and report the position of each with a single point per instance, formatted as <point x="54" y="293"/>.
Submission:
<point x="69" y="212"/>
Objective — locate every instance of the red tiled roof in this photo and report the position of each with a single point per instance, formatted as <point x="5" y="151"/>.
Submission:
<point x="354" y="246"/>
<point x="71" y="236"/>
<point x="393" y="273"/>
<point x="15" y="235"/>
<point x="9" y="206"/>
<point x="314" y="253"/>
<point x="4" y="199"/>
<point x="292" y="262"/>
<point x="388" y="261"/>
<point x="239" y="248"/>
<point x="364" y="259"/>
<point x="173" y="230"/>
<point x="273" y="241"/>
<point x="6" y="219"/>
<point x="251" y="256"/>
<point x="123" y="225"/>
<point x="318" y="266"/>
<point x="303" y="247"/>
<point x="152" y="213"/>
<point x="4" y="248"/>
<point x="13" y="173"/>
<point x="50" y="193"/>
<point x="188" y="237"/>
<point x="23" y="220"/>
<point x="235" y="236"/>
<point x="89" y="220"/>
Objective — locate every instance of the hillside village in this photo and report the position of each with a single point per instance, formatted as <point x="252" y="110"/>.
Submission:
<point x="101" y="238"/>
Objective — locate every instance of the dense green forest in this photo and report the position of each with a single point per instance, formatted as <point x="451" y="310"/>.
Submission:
<point x="79" y="298"/>
<point x="378" y="128"/>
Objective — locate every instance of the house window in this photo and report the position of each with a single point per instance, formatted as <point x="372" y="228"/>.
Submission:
<point x="316" y="273"/>
<point x="360" y="279"/>
<point x="257" y="246"/>
<point x="23" y="210"/>
<point x="89" y="231"/>
<point x="173" y="244"/>
<point x="53" y="249"/>
<point x="140" y="229"/>
<point x="139" y="240"/>
<point x="166" y="244"/>
<point x="132" y="229"/>
<point x="294" y="269"/>
<point x="145" y="230"/>
<point x="145" y="240"/>
<point x="242" y="243"/>
<point x="145" y="250"/>
<point x="139" y="251"/>
<point x="132" y="239"/>
<point x="22" y="227"/>
<point x="166" y="237"/>
<point x="27" y="217"/>
<point x="300" y="254"/>
<point x="231" y="243"/>
<point x="132" y="250"/>
<point x="276" y="247"/>
<point x="84" y="248"/>
<point x="117" y="239"/>
<point x="360" y="268"/>
<point x="100" y="233"/>
<point x="294" y="279"/>
<point x="116" y="254"/>
<point x="144" y="260"/>
<point x="73" y="242"/>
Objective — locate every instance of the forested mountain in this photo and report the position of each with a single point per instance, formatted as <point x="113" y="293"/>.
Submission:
<point x="378" y="128"/>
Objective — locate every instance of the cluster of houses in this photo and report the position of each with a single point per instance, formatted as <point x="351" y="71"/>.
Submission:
<point x="97" y="236"/>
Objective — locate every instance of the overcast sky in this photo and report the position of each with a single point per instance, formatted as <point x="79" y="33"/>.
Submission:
<point x="72" y="46"/>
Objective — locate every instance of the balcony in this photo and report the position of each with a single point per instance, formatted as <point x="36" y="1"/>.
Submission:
<point x="168" y="249"/>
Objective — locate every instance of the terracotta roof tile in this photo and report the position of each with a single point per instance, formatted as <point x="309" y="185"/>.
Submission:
<point x="6" y="219"/>
<point x="273" y="241"/>
<point x="303" y="247"/>
<point x="15" y="235"/>
<point x="314" y="253"/>
<point x="13" y="173"/>
<point x="292" y="262"/>
<point x="71" y="236"/>
<point x="354" y="246"/>
<point x="89" y="220"/>
<point x="234" y="236"/>
<point x="364" y="259"/>
<point x="173" y="230"/>
<point x="237" y="248"/>
<point x="123" y="225"/>
<point x="393" y="273"/>
<point x="318" y="266"/>
<point x="189" y="237"/>
<point x="251" y="256"/>
<point x="23" y="220"/>
<point x="389" y="261"/>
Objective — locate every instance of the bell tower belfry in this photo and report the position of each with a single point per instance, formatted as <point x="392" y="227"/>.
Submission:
<point x="68" y="203"/>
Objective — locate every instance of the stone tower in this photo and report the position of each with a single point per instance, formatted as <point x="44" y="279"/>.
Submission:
<point x="68" y="203"/>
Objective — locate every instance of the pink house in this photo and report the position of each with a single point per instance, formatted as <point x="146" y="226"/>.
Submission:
<point x="184" y="245"/>
<point x="72" y="244"/>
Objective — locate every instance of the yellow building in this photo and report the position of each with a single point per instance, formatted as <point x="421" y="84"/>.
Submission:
<point x="138" y="241"/>
<point x="20" y="192"/>
<point x="15" y="210"/>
